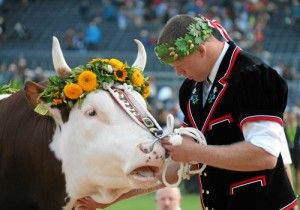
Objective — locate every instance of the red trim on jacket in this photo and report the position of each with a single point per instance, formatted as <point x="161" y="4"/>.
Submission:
<point x="222" y="81"/>
<point x="261" y="118"/>
<point x="227" y="117"/>
<point x="261" y="179"/>
<point x="291" y="205"/>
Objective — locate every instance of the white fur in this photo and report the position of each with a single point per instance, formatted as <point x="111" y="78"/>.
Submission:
<point x="98" y="152"/>
<point x="2" y="96"/>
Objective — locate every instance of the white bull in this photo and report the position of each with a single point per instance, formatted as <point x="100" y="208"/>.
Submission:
<point x="104" y="152"/>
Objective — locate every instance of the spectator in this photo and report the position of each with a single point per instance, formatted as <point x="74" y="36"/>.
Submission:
<point x="93" y="36"/>
<point x="292" y="132"/>
<point x="21" y="31"/>
<point x="168" y="198"/>
<point x="84" y="10"/>
<point x="2" y="29"/>
<point x="122" y="20"/>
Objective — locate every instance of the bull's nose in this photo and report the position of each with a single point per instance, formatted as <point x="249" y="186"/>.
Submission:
<point x="155" y="150"/>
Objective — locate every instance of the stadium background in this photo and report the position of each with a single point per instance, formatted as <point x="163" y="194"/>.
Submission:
<point x="271" y="29"/>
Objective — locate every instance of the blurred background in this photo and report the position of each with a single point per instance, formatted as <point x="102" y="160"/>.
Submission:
<point x="101" y="28"/>
<point x="106" y="28"/>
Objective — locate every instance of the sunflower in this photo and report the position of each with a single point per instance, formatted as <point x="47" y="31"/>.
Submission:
<point x="146" y="91"/>
<point x="116" y="63"/>
<point x="120" y="74"/>
<point x="88" y="81"/>
<point x="137" y="78"/>
<point x="73" y="91"/>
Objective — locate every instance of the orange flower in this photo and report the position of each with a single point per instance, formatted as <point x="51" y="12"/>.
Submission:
<point x="57" y="101"/>
<point x="88" y="81"/>
<point x="73" y="91"/>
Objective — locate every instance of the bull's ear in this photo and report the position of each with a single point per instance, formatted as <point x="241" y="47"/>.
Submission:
<point x="32" y="91"/>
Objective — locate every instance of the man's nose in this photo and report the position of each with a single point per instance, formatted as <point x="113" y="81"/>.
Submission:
<point x="179" y="72"/>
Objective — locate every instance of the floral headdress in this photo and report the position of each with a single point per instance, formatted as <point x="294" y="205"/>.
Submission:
<point x="182" y="46"/>
<point x="91" y="76"/>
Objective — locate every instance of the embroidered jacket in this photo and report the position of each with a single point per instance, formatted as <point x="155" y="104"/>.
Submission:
<point x="244" y="90"/>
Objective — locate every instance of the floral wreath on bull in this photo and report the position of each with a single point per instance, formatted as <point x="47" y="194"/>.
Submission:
<point x="91" y="76"/>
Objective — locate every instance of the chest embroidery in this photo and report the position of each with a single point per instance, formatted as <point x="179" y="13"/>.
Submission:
<point x="194" y="97"/>
<point x="212" y="96"/>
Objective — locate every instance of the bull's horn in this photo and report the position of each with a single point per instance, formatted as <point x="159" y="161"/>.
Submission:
<point x="141" y="59"/>
<point x="61" y="67"/>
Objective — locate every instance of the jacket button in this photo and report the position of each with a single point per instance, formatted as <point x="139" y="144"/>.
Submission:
<point x="207" y="192"/>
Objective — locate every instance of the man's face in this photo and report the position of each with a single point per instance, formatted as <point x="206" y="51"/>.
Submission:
<point x="193" y="66"/>
<point x="168" y="199"/>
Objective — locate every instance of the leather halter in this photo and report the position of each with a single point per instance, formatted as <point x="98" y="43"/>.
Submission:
<point x="124" y="97"/>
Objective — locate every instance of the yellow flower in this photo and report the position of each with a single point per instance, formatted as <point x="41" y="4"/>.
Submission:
<point x="88" y="81"/>
<point x="94" y="60"/>
<point x="120" y="74"/>
<point x="146" y="91"/>
<point x="105" y="60"/>
<point x="73" y="91"/>
<point x="56" y="94"/>
<point x="137" y="78"/>
<point x="116" y="63"/>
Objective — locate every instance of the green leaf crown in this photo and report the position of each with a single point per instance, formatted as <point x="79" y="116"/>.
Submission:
<point x="183" y="46"/>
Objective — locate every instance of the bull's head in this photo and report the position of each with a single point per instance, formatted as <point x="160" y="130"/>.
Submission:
<point x="104" y="152"/>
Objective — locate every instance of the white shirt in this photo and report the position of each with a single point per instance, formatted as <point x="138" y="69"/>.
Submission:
<point x="268" y="135"/>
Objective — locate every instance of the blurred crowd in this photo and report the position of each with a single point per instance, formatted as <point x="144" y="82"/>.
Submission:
<point x="247" y="22"/>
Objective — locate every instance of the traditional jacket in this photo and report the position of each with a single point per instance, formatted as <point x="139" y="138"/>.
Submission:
<point x="244" y="90"/>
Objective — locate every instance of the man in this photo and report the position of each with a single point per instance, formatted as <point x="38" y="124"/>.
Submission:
<point x="168" y="198"/>
<point x="237" y="102"/>
<point x="292" y="131"/>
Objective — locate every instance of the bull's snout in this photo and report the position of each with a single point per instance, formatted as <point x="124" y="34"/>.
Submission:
<point x="154" y="150"/>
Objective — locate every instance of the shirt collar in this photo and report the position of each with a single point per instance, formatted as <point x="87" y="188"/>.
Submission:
<point x="214" y="70"/>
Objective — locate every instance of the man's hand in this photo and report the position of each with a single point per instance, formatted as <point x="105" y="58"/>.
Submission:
<point x="182" y="152"/>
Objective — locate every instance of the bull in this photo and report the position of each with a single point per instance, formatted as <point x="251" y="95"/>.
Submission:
<point x="93" y="148"/>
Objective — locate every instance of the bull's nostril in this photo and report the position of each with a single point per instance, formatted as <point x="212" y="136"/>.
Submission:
<point x="152" y="145"/>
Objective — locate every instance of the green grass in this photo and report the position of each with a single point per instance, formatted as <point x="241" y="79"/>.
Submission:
<point x="147" y="202"/>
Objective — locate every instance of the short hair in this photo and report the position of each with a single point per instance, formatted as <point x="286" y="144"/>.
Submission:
<point x="176" y="27"/>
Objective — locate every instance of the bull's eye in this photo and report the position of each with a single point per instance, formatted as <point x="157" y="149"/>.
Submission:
<point x="92" y="112"/>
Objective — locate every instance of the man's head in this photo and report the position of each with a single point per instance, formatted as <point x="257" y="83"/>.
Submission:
<point x="181" y="36"/>
<point x="187" y="44"/>
<point x="168" y="198"/>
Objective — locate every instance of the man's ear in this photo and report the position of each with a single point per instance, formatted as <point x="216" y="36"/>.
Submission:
<point x="32" y="91"/>
<point x="202" y="50"/>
